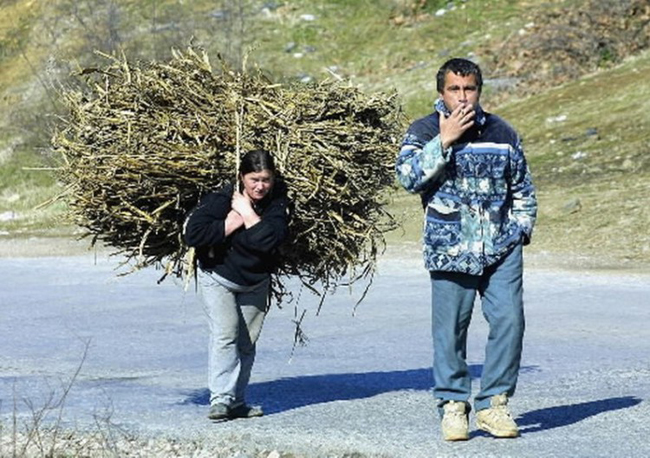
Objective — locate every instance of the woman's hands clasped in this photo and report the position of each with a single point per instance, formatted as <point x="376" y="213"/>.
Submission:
<point x="242" y="212"/>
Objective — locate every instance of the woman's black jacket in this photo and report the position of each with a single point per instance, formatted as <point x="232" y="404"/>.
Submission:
<point x="247" y="256"/>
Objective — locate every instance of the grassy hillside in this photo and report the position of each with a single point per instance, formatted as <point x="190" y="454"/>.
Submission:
<point x="587" y="143"/>
<point x="587" y="140"/>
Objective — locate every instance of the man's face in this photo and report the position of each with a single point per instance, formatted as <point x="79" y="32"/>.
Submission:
<point x="460" y="90"/>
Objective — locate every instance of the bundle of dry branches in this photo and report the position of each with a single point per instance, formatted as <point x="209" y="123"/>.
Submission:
<point x="144" y="141"/>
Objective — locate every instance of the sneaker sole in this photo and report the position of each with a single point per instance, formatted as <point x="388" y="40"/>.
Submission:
<point x="456" y="438"/>
<point x="505" y="434"/>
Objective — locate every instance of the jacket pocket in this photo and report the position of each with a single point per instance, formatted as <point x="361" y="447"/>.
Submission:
<point x="442" y="224"/>
<point x="443" y="211"/>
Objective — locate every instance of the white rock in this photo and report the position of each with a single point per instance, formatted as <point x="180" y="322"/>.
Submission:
<point x="8" y="216"/>
<point x="560" y="118"/>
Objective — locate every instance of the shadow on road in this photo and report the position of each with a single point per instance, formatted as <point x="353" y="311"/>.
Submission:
<point x="292" y="393"/>
<point x="556" y="417"/>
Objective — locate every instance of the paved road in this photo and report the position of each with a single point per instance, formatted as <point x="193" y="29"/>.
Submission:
<point x="361" y="387"/>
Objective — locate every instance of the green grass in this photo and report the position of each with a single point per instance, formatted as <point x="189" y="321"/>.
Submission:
<point x="372" y="50"/>
<point x="382" y="45"/>
<point x="614" y="102"/>
<point x="24" y="186"/>
<point x="609" y="174"/>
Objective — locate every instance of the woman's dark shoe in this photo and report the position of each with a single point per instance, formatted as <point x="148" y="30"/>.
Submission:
<point x="219" y="412"/>
<point x="245" y="411"/>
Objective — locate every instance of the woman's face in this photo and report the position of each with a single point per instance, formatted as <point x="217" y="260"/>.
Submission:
<point x="257" y="184"/>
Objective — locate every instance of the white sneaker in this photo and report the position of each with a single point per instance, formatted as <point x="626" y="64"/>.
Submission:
<point x="497" y="419"/>
<point x="455" y="426"/>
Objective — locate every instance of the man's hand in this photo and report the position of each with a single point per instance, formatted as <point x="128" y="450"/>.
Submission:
<point x="453" y="127"/>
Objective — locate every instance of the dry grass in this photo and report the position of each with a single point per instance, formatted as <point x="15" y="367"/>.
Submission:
<point x="144" y="141"/>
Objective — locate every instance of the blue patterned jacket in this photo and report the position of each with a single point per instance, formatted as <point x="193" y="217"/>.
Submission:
<point x="478" y="196"/>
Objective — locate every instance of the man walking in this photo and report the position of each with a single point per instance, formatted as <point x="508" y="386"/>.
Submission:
<point x="479" y="210"/>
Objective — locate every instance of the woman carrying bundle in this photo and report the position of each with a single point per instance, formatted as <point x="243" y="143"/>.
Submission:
<point x="236" y="234"/>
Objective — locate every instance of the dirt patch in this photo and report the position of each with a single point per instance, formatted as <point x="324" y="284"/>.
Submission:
<point x="31" y="247"/>
<point x="559" y="43"/>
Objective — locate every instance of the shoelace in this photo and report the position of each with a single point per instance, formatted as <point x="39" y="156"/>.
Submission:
<point x="499" y="411"/>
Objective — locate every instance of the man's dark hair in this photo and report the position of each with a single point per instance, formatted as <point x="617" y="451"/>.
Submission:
<point x="256" y="161"/>
<point x="462" y="67"/>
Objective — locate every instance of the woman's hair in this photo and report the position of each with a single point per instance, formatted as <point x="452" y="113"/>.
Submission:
<point x="256" y="161"/>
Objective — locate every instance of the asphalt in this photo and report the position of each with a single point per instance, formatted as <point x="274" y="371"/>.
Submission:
<point x="134" y="352"/>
